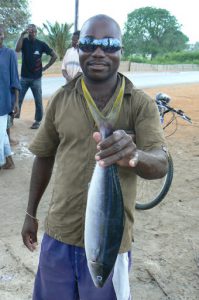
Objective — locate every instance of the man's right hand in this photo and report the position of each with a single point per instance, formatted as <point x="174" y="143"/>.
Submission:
<point x="26" y="31"/>
<point x="29" y="233"/>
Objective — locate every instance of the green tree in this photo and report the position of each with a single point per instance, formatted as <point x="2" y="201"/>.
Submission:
<point x="14" y="15"/>
<point x="58" y="36"/>
<point x="152" y="31"/>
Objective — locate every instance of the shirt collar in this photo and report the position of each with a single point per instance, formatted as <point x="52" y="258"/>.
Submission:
<point x="128" y="84"/>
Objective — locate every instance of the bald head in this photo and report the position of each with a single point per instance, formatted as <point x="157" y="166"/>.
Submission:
<point x="101" y="26"/>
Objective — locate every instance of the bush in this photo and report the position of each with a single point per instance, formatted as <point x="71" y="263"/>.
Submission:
<point x="185" y="57"/>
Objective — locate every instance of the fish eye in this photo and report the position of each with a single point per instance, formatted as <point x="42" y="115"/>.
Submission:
<point x="99" y="278"/>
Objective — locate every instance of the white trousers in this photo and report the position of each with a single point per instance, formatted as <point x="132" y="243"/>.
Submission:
<point x="121" y="277"/>
<point x="5" y="149"/>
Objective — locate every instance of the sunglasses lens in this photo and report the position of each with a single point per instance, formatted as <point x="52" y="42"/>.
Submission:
<point x="87" y="47"/>
<point x="110" y="49"/>
<point x="108" y="45"/>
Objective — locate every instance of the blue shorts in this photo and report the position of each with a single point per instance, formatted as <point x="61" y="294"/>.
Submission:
<point x="63" y="275"/>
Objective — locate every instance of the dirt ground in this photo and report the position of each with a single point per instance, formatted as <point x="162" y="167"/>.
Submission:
<point x="166" y="247"/>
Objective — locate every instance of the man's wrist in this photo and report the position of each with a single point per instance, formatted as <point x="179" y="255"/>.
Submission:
<point x="45" y="67"/>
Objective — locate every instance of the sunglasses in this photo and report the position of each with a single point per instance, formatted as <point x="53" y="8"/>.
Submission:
<point x="108" y="45"/>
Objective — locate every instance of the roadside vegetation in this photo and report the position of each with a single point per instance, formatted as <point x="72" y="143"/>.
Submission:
<point x="151" y="35"/>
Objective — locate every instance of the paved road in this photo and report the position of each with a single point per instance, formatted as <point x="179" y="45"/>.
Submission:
<point x="141" y="80"/>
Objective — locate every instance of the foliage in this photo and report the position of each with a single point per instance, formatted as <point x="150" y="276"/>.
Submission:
<point x="196" y="46"/>
<point x="58" y="36"/>
<point x="14" y="15"/>
<point x="183" y="57"/>
<point x="152" y="31"/>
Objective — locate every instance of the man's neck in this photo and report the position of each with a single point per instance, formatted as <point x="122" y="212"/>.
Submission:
<point x="102" y="91"/>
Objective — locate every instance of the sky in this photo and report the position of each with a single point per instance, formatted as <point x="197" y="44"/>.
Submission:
<point x="63" y="11"/>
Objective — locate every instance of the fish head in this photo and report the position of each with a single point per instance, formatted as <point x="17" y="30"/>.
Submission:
<point x="99" y="273"/>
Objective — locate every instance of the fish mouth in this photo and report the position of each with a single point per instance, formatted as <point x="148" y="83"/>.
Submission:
<point x="99" y="273"/>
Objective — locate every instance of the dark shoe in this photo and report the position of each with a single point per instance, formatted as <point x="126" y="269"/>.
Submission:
<point x="35" y="125"/>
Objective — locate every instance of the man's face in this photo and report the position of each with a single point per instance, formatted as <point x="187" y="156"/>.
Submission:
<point x="1" y="36"/>
<point x="32" y="32"/>
<point x="75" y="39"/>
<point x="99" y="65"/>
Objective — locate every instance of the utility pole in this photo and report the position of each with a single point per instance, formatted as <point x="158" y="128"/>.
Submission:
<point x="76" y="14"/>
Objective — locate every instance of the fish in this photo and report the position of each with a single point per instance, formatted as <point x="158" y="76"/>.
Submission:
<point x="104" y="219"/>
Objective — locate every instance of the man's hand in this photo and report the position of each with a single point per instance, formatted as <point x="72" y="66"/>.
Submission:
<point x="29" y="233"/>
<point x="26" y="31"/>
<point x="16" y="109"/>
<point x="118" y="148"/>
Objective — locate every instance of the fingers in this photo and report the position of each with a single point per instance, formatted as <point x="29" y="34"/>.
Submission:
<point x="118" y="157"/>
<point x="112" y="139"/>
<point x="114" y="145"/>
<point x="30" y="241"/>
<point x="29" y="233"/>
<point x="134" y="160"/>
<point x="97" y="137"/>
<point x="118" y="148"/>
<point x="16" y="110"/>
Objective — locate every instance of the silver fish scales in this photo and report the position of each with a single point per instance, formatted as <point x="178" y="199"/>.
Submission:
<point x="104" y="222"/>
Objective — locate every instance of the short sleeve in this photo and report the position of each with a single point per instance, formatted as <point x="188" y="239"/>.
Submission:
<point x="14" y="75"/>
<point x="46" y="49"/>
<point x="46" y="141"/>
<point x="149" y="132"/>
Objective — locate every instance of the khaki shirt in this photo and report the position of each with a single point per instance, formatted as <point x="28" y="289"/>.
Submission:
<point x="66" y="132"/>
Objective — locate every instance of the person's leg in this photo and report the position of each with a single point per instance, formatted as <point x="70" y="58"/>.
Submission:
<point x="6" y="161"/>
<point x="37" y="93"/>
<point x="55" y="277"/>
<point x="3" y="126"/>
<point x="9" y="125"/>
<point x="25" y="84"/>
<point x="121" y="276"/>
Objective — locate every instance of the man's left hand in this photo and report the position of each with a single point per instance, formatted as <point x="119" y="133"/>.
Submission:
<point x="118" y="148"/>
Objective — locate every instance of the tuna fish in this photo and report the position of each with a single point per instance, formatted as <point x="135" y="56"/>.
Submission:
<point x="104" y="221"/>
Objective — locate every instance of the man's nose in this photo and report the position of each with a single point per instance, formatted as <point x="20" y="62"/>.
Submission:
<point x="98" y="52"/>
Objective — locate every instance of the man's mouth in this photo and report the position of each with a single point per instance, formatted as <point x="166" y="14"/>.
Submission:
<point x="97" y="65"/>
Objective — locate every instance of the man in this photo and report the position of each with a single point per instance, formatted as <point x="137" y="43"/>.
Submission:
<point x="31" y="71"/>
<point x="70" y="64"/>
<point x="9" y="98"/>
<point x="70" y="135"/>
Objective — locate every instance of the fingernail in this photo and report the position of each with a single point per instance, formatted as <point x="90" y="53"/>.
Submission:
<point x="132" y="163"/>
<point x="101" y="163"/>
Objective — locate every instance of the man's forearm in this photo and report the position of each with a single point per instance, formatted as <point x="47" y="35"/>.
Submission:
<point x="152" y="164"/>
<point x="51" y="61"/>
<point x="41" y="174"/>
<point x="20" y="42"/>
<point x="16" y="97"/>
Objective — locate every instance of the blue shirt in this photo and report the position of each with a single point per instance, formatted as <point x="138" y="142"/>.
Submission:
<point x="32" y="51"/>
<point x="9" y="80"/>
